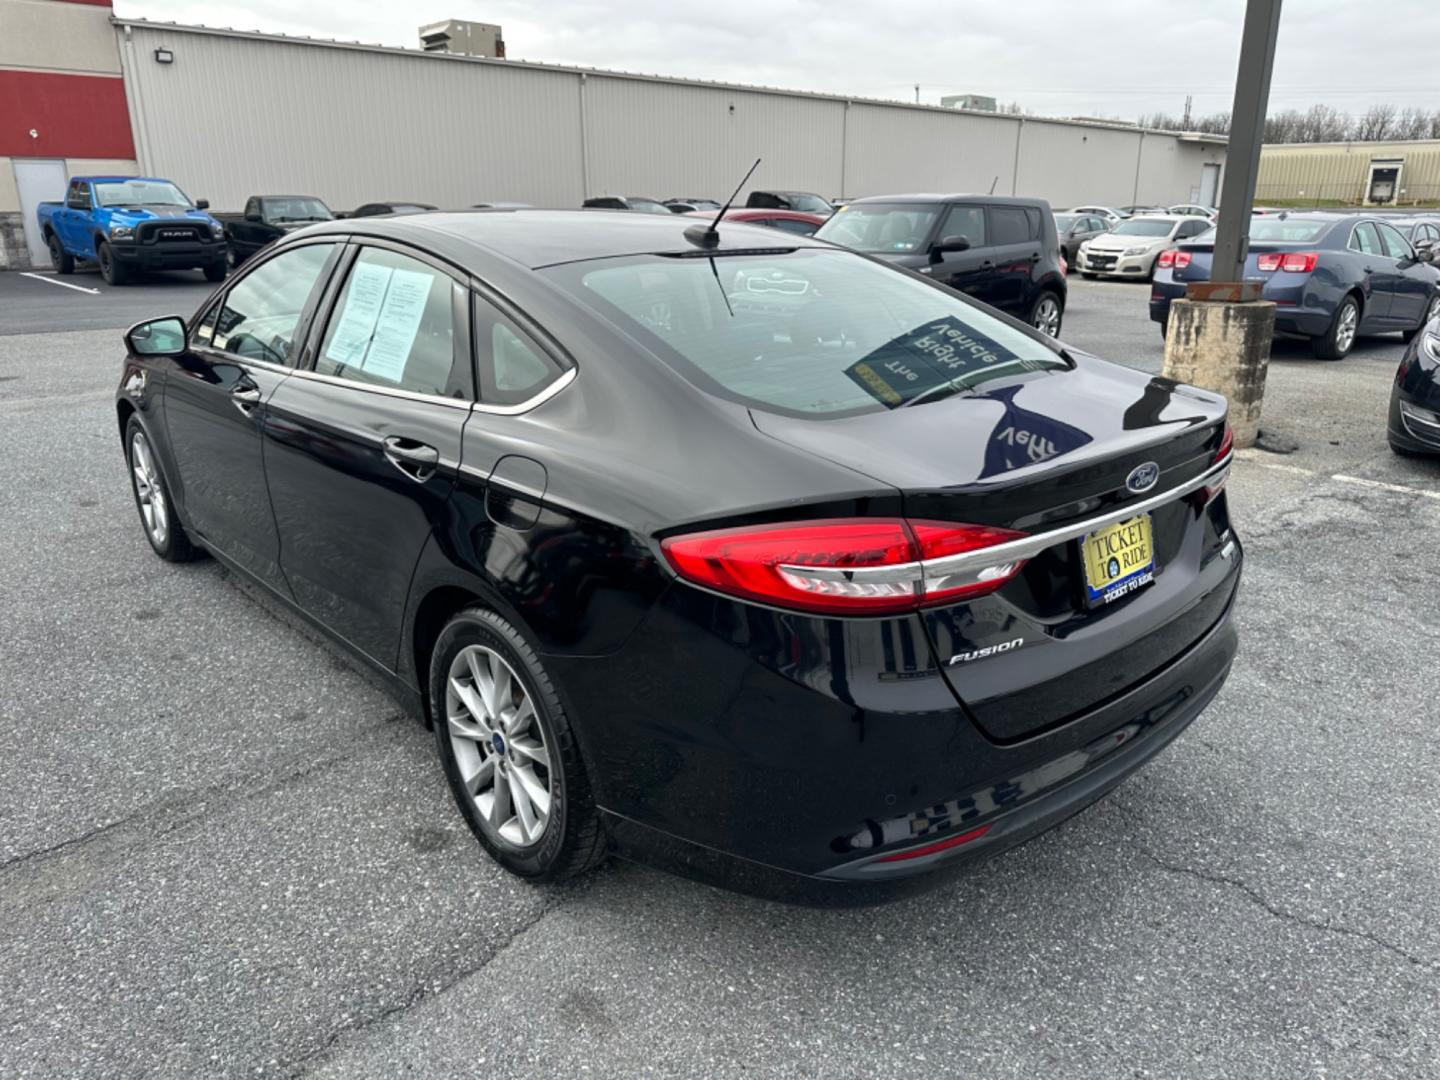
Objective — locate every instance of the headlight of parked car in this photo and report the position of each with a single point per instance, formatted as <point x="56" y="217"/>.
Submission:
<point x="122" y="232"/>
<point x="217" y="230"/>
<point x="1136" y="251"/>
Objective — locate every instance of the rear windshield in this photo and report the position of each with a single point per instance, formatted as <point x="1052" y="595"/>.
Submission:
<point x="1143" y="227"/>
<point x="1289" y="232"/>
<point x="1064" y="221"/>
<point x="808" y="332"/>
<point x="881" y="227"/>
<point x="807" y="203"/>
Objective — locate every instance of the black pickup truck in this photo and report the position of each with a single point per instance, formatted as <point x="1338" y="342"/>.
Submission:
<point x="266" y="219"/>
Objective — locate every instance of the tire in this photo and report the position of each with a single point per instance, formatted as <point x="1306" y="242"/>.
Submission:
<point x="61" y="259"/>
<point x="1432" y="310"/>
<point x="216" y="271"/>
<point x="1046" y="312"/>
<point x="475" y="644"/>
<point x="1336" y="343"/>
<point x="112" y="271"/>
<point x="152" y="498"/>
<point x="233" y="258"/>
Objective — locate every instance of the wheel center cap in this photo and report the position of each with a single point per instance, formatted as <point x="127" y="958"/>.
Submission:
<point x="497" y="741"/>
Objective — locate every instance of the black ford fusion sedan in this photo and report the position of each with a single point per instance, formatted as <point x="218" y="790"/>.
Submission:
<point x="1414" y="423"/>
<point x="735" y="552"/>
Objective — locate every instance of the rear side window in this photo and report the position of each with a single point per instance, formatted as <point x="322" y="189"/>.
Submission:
<point x="394" y="327"/>
<point x="1032" y="217"/>
<point x="1365" y="239"/>
<point x="1009" y="225"/>
<point x="262" y="310"/>
<point x="512" y="368"/>
<point x="792" y="225"/>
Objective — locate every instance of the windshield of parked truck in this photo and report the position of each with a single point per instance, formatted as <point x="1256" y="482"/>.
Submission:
<point x="288" y="209"/>
<point x="140" y="193"/>
<point x="881" y="227"/>
<point x="808" y="332"/>
<point x="1144" y="227"/>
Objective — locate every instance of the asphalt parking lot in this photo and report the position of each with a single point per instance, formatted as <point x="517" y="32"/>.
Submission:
<point x="222" y="852"/>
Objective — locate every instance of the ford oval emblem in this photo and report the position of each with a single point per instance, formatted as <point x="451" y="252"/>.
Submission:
<point x="1143" y="477"/>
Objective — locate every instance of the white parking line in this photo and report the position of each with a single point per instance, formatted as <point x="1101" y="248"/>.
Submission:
<point x="1380" y="485"/>
<point x="62" y="284"/>
<point x="1249" y="457"/>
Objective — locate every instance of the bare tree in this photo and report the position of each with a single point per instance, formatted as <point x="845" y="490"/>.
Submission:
<point x="1375" y="125"/>
<point x="1411" y="123"/>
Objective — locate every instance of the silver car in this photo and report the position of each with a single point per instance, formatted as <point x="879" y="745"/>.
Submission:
<point x="1131" y="247"/>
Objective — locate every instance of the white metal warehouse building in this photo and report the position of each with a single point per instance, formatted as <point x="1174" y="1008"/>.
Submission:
<point x="238" y="113"/>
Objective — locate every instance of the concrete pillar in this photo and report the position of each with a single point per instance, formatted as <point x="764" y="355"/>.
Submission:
<point x="1224" y="347"/>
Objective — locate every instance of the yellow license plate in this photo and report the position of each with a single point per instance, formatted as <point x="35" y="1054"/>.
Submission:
<point x="1118" y="560"/>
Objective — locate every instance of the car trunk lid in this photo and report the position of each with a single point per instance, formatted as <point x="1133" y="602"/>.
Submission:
<point x="1045" y="454"/>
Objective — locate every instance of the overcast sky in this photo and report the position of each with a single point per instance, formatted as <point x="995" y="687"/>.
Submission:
<point x="1104" y="57"/>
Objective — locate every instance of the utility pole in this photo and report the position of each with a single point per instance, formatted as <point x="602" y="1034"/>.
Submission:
<point x="917" y="93"/>
<point x="1218" y="336"/>
<point x="1185" y="124"/>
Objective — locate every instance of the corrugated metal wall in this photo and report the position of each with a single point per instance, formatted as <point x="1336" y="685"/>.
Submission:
<point x="1342" y="170"/>
<point x="237" y="114"/>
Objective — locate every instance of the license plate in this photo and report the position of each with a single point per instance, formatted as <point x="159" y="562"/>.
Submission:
<point x="1118" y="560"/>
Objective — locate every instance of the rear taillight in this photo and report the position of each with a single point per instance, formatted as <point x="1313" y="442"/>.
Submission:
<point x="1178" y="259"/>
<point x="1167" y="259"/>
<point x="850" y="566"/>
<point x="1291" y="262"/>
<point x="939" y="845"/>
<point x="1227" y="449"/>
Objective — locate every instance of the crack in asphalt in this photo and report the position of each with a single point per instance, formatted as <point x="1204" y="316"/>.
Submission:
<point x="1280" y="913"/>
<point x="162" y="818"/>
<point x="425" y="990"/>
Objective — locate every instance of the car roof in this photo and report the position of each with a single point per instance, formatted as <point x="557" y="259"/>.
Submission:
<point x="934" y="197"/>
<point x="109" y="177"/>
<point x="537" y="238"/>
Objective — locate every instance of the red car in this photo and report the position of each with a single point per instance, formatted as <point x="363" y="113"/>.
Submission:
<point x="794" y="221"/>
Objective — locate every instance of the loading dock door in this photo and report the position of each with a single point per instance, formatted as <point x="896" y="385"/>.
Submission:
<point x="38" y="180"/>
<point x="1384" y="181"/>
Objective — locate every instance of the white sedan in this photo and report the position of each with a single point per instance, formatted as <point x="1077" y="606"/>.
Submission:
<point x="1131" y="248"/>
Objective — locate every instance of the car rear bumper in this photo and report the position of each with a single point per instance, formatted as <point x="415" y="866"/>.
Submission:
<point x="1295" y="313"/>
<point x="186" y="256"/>
<point x="735" y="762"/>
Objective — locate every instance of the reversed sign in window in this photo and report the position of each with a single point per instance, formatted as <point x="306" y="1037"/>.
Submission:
<point x="944" y="353"/>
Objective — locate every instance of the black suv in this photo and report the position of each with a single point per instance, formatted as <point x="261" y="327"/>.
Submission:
<point x="807" y="202"/>
<point x="1001" y="250"/>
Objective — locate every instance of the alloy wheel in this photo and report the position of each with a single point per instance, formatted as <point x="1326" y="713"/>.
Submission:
<point x="149" y="492"/>
<point x="1047" y="316"/>
<point x="1345" y="332"/>
<point x="499" y="746"/>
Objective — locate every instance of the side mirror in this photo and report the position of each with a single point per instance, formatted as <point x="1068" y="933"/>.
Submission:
<point x="253" y="215"/>
<point x="1425" y="252"/>
<point x="950" y="243"/>
<point x="202" y="204"/>
<point x="157" y="337"/>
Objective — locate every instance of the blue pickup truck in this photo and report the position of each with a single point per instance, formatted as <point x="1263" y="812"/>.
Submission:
<point x="131" y="223"/>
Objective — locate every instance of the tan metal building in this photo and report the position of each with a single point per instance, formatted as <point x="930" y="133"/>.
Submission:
<point x="1352" y="174"/>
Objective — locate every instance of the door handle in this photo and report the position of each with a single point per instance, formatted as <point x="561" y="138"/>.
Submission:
<point x="988" y="264"/>
<point x="413" y="458"/>
<point x="1369" y="269"/>
<point x="1035" y="257"/>
<point x="245" y="398"/>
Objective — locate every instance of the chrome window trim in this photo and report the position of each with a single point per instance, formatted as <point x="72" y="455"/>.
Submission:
<point x="220" y="355"/>
<point x="1015" y="550"/>
<point x="549" y="390"/>
<point x="388" y="391"/>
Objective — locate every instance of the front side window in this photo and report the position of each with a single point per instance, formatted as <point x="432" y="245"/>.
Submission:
<point x="262" y="310"/>
<point x="881" y="228"/>
<point x="140" y="193"/>
<point x="394" y="327"/>
<point x="813" y="332"/>
<point x="1395" y="245"/>
<point x="966" y="221"/>
<point x="79" y="197"/>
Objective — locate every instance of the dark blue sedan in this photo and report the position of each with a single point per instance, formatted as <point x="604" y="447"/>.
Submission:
<point x="1332" y="277"/>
